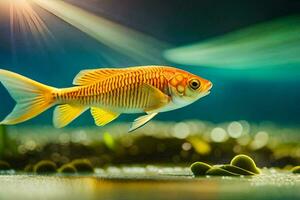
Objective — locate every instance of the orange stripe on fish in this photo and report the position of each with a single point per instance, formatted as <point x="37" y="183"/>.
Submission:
<point x="108" y="92"/>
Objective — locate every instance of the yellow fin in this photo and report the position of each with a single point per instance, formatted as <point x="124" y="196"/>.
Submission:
<point x="157" y="98"/>
<point x="32" y="98"/>
<point x="90" y="76"/>
<point x="141" y="121"/>
<point x="103" y="117"/>
<point x="66" y="113"/>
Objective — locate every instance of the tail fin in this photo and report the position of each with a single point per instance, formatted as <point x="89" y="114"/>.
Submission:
<point x="32" y="98"/>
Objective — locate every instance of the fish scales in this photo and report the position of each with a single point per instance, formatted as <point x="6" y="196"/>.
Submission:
<point x="123" y="90"/>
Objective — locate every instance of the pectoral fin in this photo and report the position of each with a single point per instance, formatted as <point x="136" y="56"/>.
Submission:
<point x="141" y="121"/>
<point x="65" y="114"/>
<point x="156" y="98"/>
<point x="103" y="117"/>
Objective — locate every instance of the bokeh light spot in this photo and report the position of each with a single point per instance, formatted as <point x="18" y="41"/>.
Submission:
<point x="218" y="135"/>
<point x="235" y="129"/>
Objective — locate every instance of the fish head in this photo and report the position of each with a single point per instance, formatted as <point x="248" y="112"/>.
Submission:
<point x="185" y="88"/>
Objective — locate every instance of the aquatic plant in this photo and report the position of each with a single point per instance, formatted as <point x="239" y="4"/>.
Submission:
<point x="245" y="162"/>
<point x="200" y="168"/>
<point x="239" y="165"/>
<point x="237" y="170"/>
<point x="218" y="171"/>
<point x="44" y="167"/>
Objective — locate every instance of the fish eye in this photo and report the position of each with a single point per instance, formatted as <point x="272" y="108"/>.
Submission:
<point x="194" y="84"/>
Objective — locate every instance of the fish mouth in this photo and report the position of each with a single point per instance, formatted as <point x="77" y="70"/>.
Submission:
<point x="207" y="89"/>
<point x="208" y="86"/>
<point x="206" y="93"/>
<point x="203" y="94"/>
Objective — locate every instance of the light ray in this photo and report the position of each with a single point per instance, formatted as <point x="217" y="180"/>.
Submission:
<point x="136" y="45"/>
<point x="12" y="37"/>
<point x="27" y="22"/>
<point x="269" y="44"/>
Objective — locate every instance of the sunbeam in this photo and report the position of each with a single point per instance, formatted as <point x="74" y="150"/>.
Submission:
<point x="269" y="44"/>
<point x="138" y="46"/>
<point x="25" y="20"/>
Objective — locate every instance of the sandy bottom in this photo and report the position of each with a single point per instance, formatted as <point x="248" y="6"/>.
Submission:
<point x="140" y="183"/>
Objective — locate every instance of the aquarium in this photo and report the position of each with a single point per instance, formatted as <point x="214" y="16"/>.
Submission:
<point x="149" y="99"/>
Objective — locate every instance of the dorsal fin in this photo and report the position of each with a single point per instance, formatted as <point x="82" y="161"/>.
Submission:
<point x="90" y="76"/>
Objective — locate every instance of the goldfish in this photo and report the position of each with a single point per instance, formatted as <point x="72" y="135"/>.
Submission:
<point x="107" y="92"/>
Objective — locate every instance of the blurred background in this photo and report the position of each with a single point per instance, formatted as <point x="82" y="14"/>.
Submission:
<point x="248" y="49"/>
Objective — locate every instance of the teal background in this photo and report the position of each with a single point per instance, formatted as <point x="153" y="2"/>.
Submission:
<point x="256" y="95"/>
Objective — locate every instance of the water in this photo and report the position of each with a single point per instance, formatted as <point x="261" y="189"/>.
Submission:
<point x="56" y="54"/>
<point x="253" y="108"/>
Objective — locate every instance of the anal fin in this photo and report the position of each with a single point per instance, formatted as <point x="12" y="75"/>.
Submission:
<point x="103" y="117"/>
<point x="66" y="113"/>
<point x="141" y="121"/>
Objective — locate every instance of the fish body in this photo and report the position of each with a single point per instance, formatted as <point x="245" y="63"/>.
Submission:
<point x="107" y="92"/>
